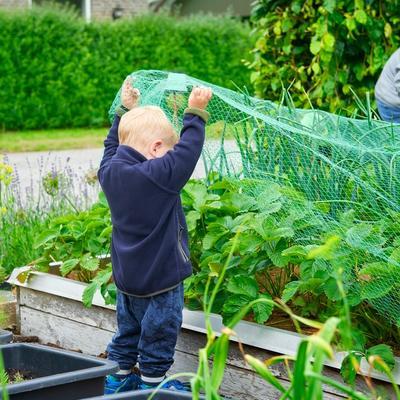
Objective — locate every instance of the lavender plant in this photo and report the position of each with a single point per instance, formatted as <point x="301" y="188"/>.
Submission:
<point x="29" y="203"/>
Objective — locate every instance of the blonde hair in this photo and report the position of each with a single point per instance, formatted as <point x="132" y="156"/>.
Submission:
<point x="142" y="124"/>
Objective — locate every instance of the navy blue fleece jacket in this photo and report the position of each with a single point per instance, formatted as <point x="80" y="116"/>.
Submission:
<point x="149" y="249"/>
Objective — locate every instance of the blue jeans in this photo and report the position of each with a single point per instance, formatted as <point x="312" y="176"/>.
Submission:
<point x="148" y="329"/>
<point x="388" y="113"/>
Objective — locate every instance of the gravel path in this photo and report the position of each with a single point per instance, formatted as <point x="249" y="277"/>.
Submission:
<point x="75" y="167"/>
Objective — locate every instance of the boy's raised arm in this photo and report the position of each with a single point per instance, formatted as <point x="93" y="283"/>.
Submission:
<point x="129" y="99"/>
<point x="110" y="143"/>
<point x="174" y="169"/>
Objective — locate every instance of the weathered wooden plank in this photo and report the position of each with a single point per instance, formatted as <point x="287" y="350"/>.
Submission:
<point x="238" y="383"/>
<point x="8" y="306"/>
<point x="95" y="316"/>
<point x="67" y="323"/>
<point x="63" y="332"/>
<point x="76" y="336"/>
<point x="189" y="342"/>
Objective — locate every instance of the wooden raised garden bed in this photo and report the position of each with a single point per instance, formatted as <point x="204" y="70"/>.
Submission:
<point x="50" y="307"/>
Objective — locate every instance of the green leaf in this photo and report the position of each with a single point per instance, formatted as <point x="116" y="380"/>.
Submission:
<point x="110" y="293"/>
<point x="317" y="69"/>
<point x="376" y="280"/>
<point x="275" y="253"/>
<point x="328" y="42"/>
<point x="363" y="237"/>
<point x="327" y="250"/>
<point x="245" y="285"/>
<point x="348" y="370"/>
<point x="359" y="339"/>
<point x="88" y="294"/>
<point x="272" y="208"/>
<point x="361" y="16"/>
<point x="101" y="279"/>
<point x="92" y="225"/>
<point x="350" y="24"/>
<point x="395" y="256"/>
<point x="198" y="192"/>
<point x="388" y="30"/>
<point x="102" y="199"/>
<point x="219" y="361"/>
<point x="315" y="46"/>
<point x="290" y="290"/>
<point x="94" y="246"/>
<point x="262" y="370"/>
<point x="299" y="379"/>
<point x="359" y="3"/>
<point x="103" y="276"/>
<point x="214" y="205"/>
<point x="89" y="263"/>
<point x="215" y="268"/>
<point x="384" y="352"/>
<point x="331" y="289"/>
<point x="270" y="230"/>
<point x="241" y="202"/>
<point x="312" y="285"/>
<point x="106" y="232"/>
<point x="233" y="305"/>
<point x="249" y="243"/>
<point x="3" y="276"/>
<point x="329" y="5"/>
<point x="213" y="236"/>
<point x="68" y="266"/>
<point x="262" y="311"/>
<point x="298" y="251"/>
<point x="268" y="196"/>
<point x="191" y="219"/>
<point x="45" y="237"/>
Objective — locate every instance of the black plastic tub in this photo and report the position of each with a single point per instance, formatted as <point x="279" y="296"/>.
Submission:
<point x="5" y="336"/>
<point x="144" y="395"/>
<point x="56" y="374"/>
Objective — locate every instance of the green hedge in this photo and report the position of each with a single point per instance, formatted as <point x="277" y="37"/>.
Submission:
<point x="57" y="71"/>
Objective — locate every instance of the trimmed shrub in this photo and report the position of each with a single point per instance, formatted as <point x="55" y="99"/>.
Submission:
<point x="58" y="71"/>
<point x="322" y="48"/>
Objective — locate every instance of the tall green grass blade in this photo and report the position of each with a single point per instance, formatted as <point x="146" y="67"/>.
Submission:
<point x="264" y="372"/>
<point x="300" y="389"/>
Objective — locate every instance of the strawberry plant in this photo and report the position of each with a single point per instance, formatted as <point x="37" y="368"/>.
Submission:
<point x="80" y="241"/>
<point x="290" y="253"/>
<point x="286" y="251"/>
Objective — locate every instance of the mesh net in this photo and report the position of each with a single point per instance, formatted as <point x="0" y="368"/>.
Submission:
<point x="339" y="175"/>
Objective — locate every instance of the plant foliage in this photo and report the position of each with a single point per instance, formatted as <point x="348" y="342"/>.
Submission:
<point x="322" y="48"/>
<point x="57" y="71"/>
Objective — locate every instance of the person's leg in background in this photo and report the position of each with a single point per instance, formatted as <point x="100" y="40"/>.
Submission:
<point x="388" y="113"/>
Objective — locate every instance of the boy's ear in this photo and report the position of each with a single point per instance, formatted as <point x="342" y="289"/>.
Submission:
<point x="155" y="146"/>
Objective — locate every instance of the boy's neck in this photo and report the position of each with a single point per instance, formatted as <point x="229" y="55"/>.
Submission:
<point x="136" y="150"/>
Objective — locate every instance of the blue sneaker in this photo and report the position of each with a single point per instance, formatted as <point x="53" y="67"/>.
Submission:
<point x="121" y="383"/>
<point x="170" y="385"/>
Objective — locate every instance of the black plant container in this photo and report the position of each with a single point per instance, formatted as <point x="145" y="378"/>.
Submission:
<point x="58" y="374"/>
<point x="144" y="395"/>
<point x="5" y="336"/>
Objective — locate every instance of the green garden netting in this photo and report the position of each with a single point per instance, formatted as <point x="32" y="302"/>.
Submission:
<point x="337" y="177"/>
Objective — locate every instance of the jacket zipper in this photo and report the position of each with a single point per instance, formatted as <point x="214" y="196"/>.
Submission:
<point x="183" y="254"/>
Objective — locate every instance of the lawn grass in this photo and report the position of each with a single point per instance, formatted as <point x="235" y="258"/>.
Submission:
<point x="70" y="138"/>
<point x="54" y="139"/>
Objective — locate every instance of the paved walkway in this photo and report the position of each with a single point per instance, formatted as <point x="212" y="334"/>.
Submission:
<point x="75" y="166"/>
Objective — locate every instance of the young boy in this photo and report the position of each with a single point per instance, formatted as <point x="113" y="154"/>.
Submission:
<point x="143" y="169"/>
